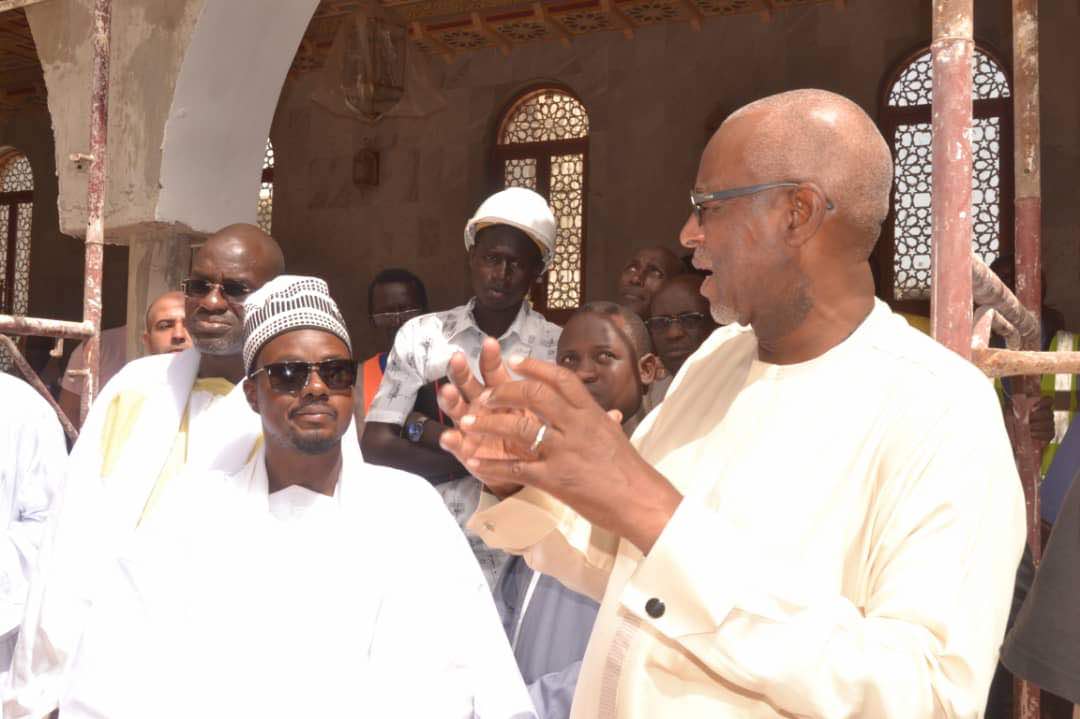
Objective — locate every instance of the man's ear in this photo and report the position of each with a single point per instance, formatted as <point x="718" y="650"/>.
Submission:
<point x="252" y="397"/>
<point x="649" y="369"/>
<point x="146" y="341"/>
<point x="805" y="214"/>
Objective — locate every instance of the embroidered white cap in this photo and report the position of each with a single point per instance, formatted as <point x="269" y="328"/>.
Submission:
<point x="520" y="208"/>
<point x="285" y="303"/>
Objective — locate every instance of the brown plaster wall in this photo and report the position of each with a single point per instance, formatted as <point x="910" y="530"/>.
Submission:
<point x="649" y="100"/>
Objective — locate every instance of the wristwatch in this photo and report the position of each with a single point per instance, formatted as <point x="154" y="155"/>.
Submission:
<point x="414" y="430"/>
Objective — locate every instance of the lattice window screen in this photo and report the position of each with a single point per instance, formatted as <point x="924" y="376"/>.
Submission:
<point x="265" y="210"/>
<point x="16" y="221"/>
<point x="909" y="101"/>
<point x="543" y="145"/>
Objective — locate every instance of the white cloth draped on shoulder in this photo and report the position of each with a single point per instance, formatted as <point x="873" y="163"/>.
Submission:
<point x="152" y="418"/>
<point x="234" y="602"/>
<point x="33" y="455"/>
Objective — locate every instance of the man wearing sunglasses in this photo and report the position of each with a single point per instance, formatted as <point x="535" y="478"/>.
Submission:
<point x="159" y="415"/>
<point x="284" y="573"/>
<point x="510" y="241"/>
<point x="823" y="518"/>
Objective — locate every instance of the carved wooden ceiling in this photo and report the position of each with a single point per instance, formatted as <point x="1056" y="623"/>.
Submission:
<point x="445" y="28"/>
<point x="21" y="81"/>
<point x="450" y="27"/>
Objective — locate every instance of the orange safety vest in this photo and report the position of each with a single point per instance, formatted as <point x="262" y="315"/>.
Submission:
<point x="373" y="375"/>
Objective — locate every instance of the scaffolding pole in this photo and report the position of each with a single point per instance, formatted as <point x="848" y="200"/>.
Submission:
<point x="95" y="200"/>
<point x="1027" y="162"/>
<point x="952" y="50"/>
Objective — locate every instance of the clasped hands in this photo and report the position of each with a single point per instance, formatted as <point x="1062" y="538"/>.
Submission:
<point x="583" y="459"/>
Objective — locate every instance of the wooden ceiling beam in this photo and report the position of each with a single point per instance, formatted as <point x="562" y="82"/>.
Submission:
<point x="484" y="28"/>
<point x="618" y="18"/>
<point x="421" y="35"/>
<point x="694" y="14"/>
<point x="544" y="18"/>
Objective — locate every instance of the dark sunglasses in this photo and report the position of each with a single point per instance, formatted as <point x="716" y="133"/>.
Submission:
<point x="292" y="377"/>
<point x="689" y="321"/>
<point x="230" y="289"/>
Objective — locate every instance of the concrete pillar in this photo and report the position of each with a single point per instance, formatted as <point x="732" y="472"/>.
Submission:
<point x="193" y="89"/>
<point x="157" y="262"/>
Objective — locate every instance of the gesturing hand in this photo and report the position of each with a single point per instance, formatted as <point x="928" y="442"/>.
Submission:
<point x="584" y="459"/>
<point x="457" y="400"/>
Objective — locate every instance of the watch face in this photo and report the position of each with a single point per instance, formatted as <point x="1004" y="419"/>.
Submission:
<point x="414" y="431"/>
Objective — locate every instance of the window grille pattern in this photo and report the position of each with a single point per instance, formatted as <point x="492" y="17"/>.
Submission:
<point x="16" y="175"/>
<point x="265" y="211"/>
<point x="16" y="221"/>
<point x="520" y="172"/>
<point x="545" y="116"/>
<point x="914" y="87"/>
<point x="564" y="275"/>
<point x="910" y="95"/>
<point x="543" y="145"/>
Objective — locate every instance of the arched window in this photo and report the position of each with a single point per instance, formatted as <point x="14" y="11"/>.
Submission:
<point x="904" y="251"/>
<point x="265" y="212"/>
<point x="543" y="144"/>
<point x="16" y="217"/>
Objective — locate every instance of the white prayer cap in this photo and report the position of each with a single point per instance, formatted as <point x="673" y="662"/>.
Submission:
<point x="285" y="303"/>
<point x="520" y="208"/>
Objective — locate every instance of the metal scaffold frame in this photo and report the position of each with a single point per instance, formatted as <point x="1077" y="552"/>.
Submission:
<point x="961" y="280"/>
<point x="89" y="329"/>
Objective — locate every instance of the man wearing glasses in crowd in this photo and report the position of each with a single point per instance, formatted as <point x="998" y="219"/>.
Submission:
<point x="395" y="296"/>
<point x="679" y="322"/>
<point x="157" y="416"/>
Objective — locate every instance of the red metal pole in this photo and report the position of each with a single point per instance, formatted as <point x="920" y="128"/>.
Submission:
<point x="950" y="296"/>
<point x="95" y="198"/>
<point x="19" y="325"/>
<point x="1028" y="272"/>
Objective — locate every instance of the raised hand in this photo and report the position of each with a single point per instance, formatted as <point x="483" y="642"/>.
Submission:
<point x="457" y="400"/>
<point x="584" y="459"/>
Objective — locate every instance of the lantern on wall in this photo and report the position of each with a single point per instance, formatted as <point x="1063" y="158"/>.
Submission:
<point x="372" y="76"/>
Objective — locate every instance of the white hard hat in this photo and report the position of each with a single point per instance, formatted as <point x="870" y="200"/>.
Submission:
<point x="520" y="208"/>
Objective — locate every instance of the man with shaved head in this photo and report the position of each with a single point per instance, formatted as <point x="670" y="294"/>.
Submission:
<point x="165" y="329"/>
<point x="822" y="519"/>
<point x="159" y="415"/>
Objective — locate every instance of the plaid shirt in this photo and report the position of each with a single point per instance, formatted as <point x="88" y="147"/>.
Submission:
<point x="424" y="345"/>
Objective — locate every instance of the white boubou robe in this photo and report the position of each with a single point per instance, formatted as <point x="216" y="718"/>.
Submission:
<point x="233" y="602"/>
<point x="33" y="455"/>
<point x="150" y="421"/>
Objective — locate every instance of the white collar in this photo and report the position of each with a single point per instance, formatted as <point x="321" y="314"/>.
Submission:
<point x="467" y="321"/>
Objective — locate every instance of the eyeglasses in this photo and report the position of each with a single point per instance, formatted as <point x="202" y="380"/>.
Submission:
<point x="229" y="289"/>
<point x="292" y="377"/>
<point x="394" y="319"/>
<point x="689" y="321"/>
<point x="698" y="199"/>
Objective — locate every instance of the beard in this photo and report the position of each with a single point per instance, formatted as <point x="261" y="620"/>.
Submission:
<point x="723" y="314"/>
<point x="228" y="344"/>
<point x="313" y="445"/>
